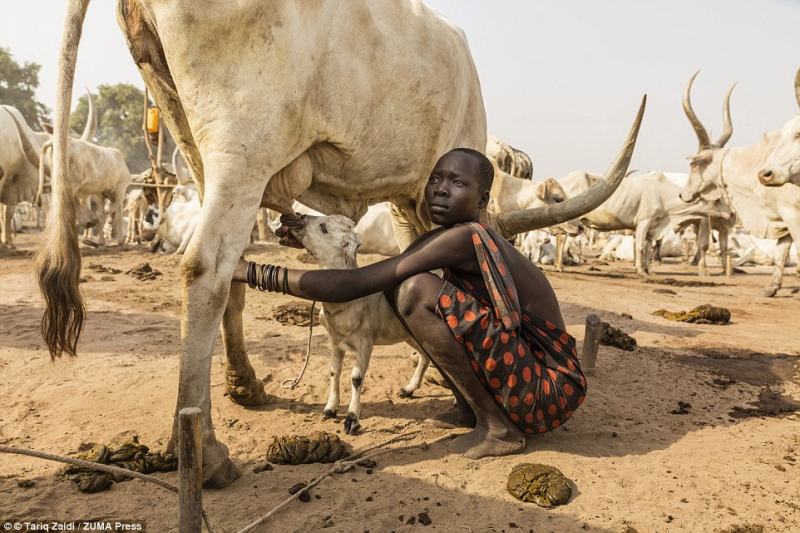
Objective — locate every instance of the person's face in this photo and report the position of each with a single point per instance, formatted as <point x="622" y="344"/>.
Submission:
<point x="452" y="193"/>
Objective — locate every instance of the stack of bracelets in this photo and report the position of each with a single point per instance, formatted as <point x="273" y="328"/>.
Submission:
<point x="265" y="277"/>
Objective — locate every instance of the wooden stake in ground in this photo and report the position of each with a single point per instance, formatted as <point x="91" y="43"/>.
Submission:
<point x="591" y="341"/>
<point x="190" y="471"/>
<point x="728" y="261"/>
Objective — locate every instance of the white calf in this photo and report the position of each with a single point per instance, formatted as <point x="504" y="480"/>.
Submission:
<point x="354" y="326"/>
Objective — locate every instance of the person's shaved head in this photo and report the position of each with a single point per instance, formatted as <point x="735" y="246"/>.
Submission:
<point x="485" y="168"/>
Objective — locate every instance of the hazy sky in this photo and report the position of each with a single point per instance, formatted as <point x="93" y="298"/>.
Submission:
<point x="561" y="79"/>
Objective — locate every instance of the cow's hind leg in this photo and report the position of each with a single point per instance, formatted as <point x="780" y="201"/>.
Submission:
<point x="229" y="209"/>
<point x="242" y="385"/>
<point x="419" y="372"/>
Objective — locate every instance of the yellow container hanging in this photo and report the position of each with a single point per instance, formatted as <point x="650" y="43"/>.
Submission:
<point x="152" y="120"/>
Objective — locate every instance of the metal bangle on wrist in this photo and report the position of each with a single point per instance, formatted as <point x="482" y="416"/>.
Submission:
<point x="267" y="277"/>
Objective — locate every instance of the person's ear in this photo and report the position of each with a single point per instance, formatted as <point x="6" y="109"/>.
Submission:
<point x="484" y="201"/>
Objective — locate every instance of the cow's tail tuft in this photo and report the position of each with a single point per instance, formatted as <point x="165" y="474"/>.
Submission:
<point x="58" y="261"/>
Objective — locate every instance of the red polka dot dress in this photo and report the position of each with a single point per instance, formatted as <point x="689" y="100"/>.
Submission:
<point x="529" y="365"/>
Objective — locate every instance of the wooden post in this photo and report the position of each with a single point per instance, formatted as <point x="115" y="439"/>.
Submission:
<point x="591" y="341"/>
<point x="190" y="471"/>
<point x="728" y="265"/>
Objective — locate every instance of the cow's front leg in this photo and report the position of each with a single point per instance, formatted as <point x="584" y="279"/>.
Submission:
<point x="363" y="354"/>
<point x="242" y="385"/>
<point x="229" y="209"/>
<point x="780" y="258"/>
<point x="703" y="245"/>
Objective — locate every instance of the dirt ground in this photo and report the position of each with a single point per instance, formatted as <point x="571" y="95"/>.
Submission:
<point x="730" y="462"/>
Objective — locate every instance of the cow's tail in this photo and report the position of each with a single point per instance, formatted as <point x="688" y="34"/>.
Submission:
<point x="58" y="262"/>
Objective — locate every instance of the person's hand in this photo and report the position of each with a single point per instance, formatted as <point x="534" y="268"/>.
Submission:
<point x="284" y="232"/>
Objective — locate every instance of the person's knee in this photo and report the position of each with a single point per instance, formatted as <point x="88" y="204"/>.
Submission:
<point x="413" y="295"/>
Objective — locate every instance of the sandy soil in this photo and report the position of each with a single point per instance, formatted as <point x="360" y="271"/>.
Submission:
<point x="733" y="460"/>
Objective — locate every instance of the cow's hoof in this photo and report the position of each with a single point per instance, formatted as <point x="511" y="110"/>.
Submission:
<point x="351" y="425"/>
<point x="327" y="414"/>
<point x="405" y="393"/>
<point x="703" y="273"/>
<point x="769" y="292"/>
<point x="219" y="474"/>
<point x="247" y="391"/>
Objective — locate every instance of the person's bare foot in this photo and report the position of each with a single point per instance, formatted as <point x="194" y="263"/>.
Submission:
<point x="481" y="442"/>
<point x="454" y="418"/>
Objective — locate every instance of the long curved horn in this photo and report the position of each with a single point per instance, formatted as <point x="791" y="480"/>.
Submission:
<point x="797" y="86"/>
<point x="28" y="148"/>
<point x="91" y="120"/>
<point x="727" y="125"/>
<point x="702" y="134"/>
<point x="541" y="217"/>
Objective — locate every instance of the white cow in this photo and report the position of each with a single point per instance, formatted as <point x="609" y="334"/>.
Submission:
<point x="96" y="171"/>
<point x="178" y="224"/>
<point x="771" y="212"/>
<point x="336" y="104"/>
<point x="647" y="203"/>
<point x="783" y="164"/>
<point x="20" y="180"/>
<point x="542" y="247"/>
<point x="136" y="207"/>
<point x="508" y="159"/>
<point x="763" y="252"/>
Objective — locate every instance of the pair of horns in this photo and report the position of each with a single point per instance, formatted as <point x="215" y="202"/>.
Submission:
<point x="699" y="129"/>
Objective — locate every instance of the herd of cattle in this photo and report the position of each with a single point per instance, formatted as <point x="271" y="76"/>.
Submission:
<point x="651" y="214"/>
<point x="348" y="134"/>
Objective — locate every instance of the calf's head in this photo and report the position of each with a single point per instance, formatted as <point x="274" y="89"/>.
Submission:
<point x="331" y="239"/>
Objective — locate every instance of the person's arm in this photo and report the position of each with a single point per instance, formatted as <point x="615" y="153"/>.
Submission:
<point x="442" y="249"/>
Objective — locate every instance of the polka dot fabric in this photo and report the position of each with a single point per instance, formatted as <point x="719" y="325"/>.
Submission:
<point x="529" y="365"/>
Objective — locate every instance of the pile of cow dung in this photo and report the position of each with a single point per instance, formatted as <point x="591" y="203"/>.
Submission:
<point x="143" y="272"/>
<point x="540" y="484"/>
<point x="684" y="283"/>
<point x="295" y="313"/>
<point x="611" y="336"/>
<point x="703" y="314"/>
<point x="103" y="269"/>
<point x="130" y="455"/>
<point x="320" y="447"/>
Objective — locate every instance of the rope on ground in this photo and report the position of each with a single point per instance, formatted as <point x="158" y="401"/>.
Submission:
<point x="103" y="468"/>
<point x="292" y="383"/>
<point x="340" y="466"/>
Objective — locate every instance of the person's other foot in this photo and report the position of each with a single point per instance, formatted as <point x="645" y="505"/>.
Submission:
<point x="454" y="418"/>
<point x="483" y="443"/>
